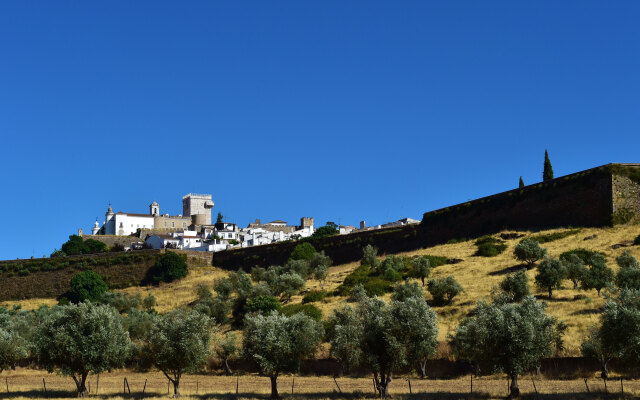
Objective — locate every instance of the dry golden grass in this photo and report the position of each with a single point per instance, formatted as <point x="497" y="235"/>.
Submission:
<point x="28" y="384"/>
<point x="477" y="275"/>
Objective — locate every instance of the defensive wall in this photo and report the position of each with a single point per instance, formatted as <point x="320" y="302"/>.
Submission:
<point x="601" y="196"/>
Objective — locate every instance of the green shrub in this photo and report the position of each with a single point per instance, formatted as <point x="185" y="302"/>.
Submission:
<point x="435" y="261"/>
<point x="637" y="241"/>
<point x="309" y="309"/>
<point x="377" y="286"/>
<point x="516" y="286"/>
<point x="489" y="246"/>
<point x="585" y="255"/>
<point x="550" y="237"/>
<point x="262" y="305"/>
<point x="302" y="251"/>
<point x="86" y="285"/>
<point x="169" y="267"/>
<point x="314" y="296"/>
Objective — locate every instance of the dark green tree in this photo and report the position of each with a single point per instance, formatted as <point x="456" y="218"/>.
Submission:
<point x="329" y="229"/>
<point x="421" y="268"/>
<point x="576" y="270"/>
<point x="551" y="272"/>
<point x="169" y="267"/>
<point x="302" y="251"/>
<point x="220" y="218"/>
<point x="547" y="173"/>
<point x="521" y="183"/>
<point x="86" y="285"/>
<point x="599" y="275"/>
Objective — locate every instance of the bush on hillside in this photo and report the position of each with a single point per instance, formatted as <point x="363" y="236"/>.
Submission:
<point x="516" y="286"/>
<point x="262" y="305"/>
<point x="637" y="241"/>
<point x="308" y="309"/>
<point x="302" y="251"/>
<point x="585" y="255"/>
<point x="169" y="267"/>
<point x="550" y="237"/>
<point x="85" y="286"/>
<point x="443" y="290"/>
<point x="489" y="246"/>
<point x="529" y="251"/>
<point x="76" y="245"/>
<point x="316" y="295"/>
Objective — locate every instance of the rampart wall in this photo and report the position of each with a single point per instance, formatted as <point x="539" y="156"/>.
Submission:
<point x="601" y="196"/>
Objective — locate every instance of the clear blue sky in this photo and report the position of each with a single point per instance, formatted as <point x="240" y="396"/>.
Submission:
<point x="341" y="111"/>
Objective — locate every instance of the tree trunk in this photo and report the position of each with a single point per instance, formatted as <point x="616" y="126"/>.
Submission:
<point x="383" y="385"/>
<point x="423" y="369"/>
<point x="422" y="281"/>
<point x="227" y="370"/>
<point x="598" y="290"/>
<point x="514" y="390"/>
<point x="550" y="292"/>
<point x="605" y="371"/>
<point x="81" y="384"/>
<point x="575" y="284"/>
<point x="274" y="387"/>
<point x="176" y="387"/>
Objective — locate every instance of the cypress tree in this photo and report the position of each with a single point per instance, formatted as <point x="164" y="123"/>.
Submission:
<point x="521" y="184"/>
<point x="547" y="174"/>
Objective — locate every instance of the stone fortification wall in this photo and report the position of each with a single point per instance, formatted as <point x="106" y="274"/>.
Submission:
<point x="597" y="197"/>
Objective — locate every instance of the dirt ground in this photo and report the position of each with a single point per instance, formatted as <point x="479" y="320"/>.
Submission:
<point x="28" y="384"/>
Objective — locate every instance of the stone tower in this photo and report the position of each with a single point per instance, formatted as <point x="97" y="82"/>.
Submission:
<point x="197" y="204"/>
<point x="154" y="209"/>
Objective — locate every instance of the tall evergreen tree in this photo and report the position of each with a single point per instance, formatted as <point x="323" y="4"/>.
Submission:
<point x="521" y="184"/>
<point x="547" y="174"/>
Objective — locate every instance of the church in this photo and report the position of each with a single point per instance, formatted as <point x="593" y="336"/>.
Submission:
<point x="196" y="214"/>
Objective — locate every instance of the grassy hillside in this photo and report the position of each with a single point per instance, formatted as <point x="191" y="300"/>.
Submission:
<point x="477" y="275"/>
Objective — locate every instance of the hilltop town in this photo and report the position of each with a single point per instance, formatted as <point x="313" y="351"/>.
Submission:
<point x="195" y="229"/>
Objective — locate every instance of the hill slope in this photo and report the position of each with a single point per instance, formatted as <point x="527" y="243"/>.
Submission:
<point x="477" y="275"/>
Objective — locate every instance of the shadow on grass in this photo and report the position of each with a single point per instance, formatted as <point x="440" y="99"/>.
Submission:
<point x="593" y="311"/>
<point x="510" y="270"/>
<point x="554" y="299"/>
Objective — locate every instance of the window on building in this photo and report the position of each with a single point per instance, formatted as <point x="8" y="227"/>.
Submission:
<point x="173" y="224"/>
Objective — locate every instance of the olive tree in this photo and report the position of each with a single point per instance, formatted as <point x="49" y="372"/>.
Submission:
<point x="277" y="343"/>
<point x="179" y="343"/>
<point x="77" y="340"/>
<point x="551" y="272"/>
<point x="598" y="275"/>
<point x="628" y="276"/>
<point x="516" y="286"/>
<point x="226" y="348"/>
<point x="529" y="251"/>
<point x="618" y="335"/>
<point x="15" y="333"/>
<point x="421" y="268"/>
<point x="370" y="257"/>
<point x="383" y="338"/>
<point x="576" y="270"/>
<point x="510" y="338"/>
<point x="443" y="290"/>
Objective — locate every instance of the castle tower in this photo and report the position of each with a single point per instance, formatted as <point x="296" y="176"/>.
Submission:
<point x="197" y="204"/>
<point x="154" y="209"/>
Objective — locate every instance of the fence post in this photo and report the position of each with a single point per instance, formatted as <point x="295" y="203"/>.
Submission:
<point x="45" y="385"/>
<point x="409" y="380"/>
<point x="621" y="386"/>
<point x="128" y="388"/>
<point x="145" y="386"/>
<point x="237" y="383"/>
<point x="471" y="383"/>
<point x="334" y="379"/>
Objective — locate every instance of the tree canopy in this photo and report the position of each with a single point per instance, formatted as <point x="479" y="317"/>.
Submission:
<point x="547" y="173"/>
<point x="510" y="338"/>
<point x="278" y="343"/>
<point x="169" y="267"/>
<point x="86" y="285"/>
<point x="76" y="340"/>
